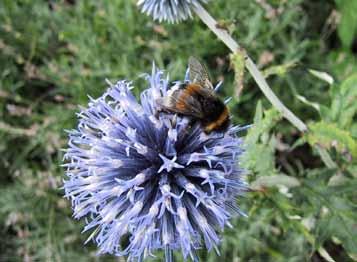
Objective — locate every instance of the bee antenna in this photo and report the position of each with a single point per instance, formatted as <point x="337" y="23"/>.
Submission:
<point x="218" y="86"/>
<point x="227" y="100"/>
<point x="108" y="82"/>
<point x="187" y="74"/>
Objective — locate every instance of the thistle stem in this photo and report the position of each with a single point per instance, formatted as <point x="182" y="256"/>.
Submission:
<point x="168" y="254"/>
<point x="225" y="37"/>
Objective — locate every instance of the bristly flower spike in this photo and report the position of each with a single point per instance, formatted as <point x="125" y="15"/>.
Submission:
<point x="172" y="11"/>
<point x="137" y="174"/>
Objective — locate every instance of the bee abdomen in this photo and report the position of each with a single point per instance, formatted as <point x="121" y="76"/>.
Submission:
<point x="220" y="123"/>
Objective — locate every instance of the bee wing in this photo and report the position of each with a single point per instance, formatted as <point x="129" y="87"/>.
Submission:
<point x="199" y="73"/>
<point x="188" y="106"/>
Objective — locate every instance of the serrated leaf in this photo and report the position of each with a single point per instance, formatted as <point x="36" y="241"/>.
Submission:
<point x="338" y="216"/>
<point x="343" y="106"/>
<point x="259" y="144"/>
<point x="262" y="125"/>
<point x="329" y="135"/>
<point x="260" y="159"/>
<point x="348" y="91"/>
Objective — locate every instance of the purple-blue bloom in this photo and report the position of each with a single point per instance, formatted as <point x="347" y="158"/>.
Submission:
<point x="137" y="174"/>
<point x="172" y="11"/>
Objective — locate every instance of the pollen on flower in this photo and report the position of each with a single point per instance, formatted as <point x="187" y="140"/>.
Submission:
<point x="154" y="210"/>
<point x="138" y="206"/>
<point x="131" y="133"/>
<point x="190" y="187"/>
<point x="204" y="173"/>
<point x="165" y="189"/>
<point x="140" y="178"/>
<point x="203" y="221"/>
<point x="100" y="171"/>
<point x="109" y="216"/>
<point x="172" y="134"/>
<point x="166" y="239"/>
<point x="117" y="191"/>
<point x="141" y="149"/>
<point x="92" y="179"/>
<point x="182" y="213"/>
<point x="117" y="163"/>
<point x="132" y="171"/>
<point x="157" y="123"/>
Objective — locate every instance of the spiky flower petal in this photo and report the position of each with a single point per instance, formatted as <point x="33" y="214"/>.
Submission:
<point x="145" y="176"/>
<point x="172" y="11"/>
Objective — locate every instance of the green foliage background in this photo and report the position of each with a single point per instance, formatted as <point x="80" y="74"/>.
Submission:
<point x="302" y="204"/>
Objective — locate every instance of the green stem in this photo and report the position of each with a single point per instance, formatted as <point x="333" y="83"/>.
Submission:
<point x="226" y="38"/>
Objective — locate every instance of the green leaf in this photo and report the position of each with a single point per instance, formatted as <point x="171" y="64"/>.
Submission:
<point x="329" y="135"/>
<point x="262" y="125"/>
<point x="259" y="156"/>
<point x="309" y="103"/>
<point x="323" y="76"/>
<point x="348" y="91"/>
<point x="348" y="24"/>
<point x="343" y="106"/>
<point x="280" y="70"/>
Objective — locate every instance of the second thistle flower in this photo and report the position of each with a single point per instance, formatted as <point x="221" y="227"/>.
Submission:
<point x="172" y="11"/>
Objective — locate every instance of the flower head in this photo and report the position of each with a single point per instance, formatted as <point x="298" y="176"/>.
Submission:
<point x="172" y="11"/>
<point x="145" y="176"/>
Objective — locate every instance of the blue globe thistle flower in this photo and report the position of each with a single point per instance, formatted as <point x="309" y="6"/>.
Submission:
<point x="172" y="11"/>
<point x="144" y="176"/>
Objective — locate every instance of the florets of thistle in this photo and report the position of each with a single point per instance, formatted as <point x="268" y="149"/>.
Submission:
<point x="148" y="177"/>
<point x="172" y="11"/>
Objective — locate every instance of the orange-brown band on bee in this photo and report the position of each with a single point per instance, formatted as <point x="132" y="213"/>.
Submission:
<point x="190" y="90"/>
<point x="223" y="117"/>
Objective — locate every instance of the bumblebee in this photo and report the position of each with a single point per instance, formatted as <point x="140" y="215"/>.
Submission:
<point x="198" y="100"/>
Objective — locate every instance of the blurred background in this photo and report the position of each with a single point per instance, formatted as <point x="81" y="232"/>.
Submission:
<point x="302" y="205"/>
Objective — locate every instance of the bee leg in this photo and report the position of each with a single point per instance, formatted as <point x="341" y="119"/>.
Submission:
<point x="174" y="120"/>
<point x="221" y="136"/>
<point x="187" y="129"/>
<point x="157" y="114"/>
<point x="191" y="123"/>
<point x="158" y="111"/>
